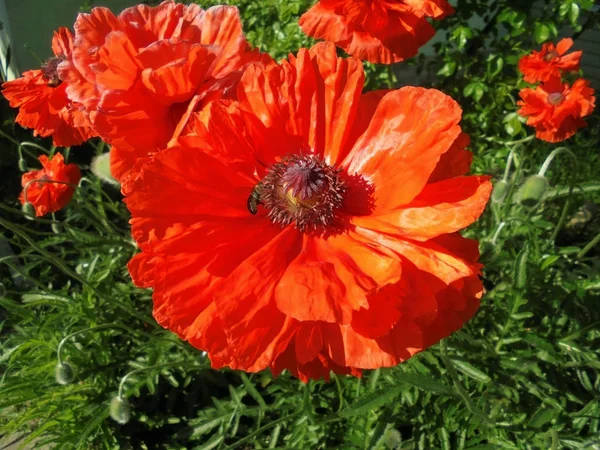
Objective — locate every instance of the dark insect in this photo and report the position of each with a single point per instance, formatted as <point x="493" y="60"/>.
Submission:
<point x="254" y="200"/>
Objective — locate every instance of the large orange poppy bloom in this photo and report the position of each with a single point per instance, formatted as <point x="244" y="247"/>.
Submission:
<point x="550" y="62"/>
<point x="50" y="188"/>
<point x="309" y="226"/>
<point x="379" y="31"/>
<point x="43" y="104"/>
<point x="555" y="109"/>
<point x="138" y="73"/>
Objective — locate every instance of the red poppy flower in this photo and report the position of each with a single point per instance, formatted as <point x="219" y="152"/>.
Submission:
<point x="550" y="62"/>
<point x="55" y="187"/>
<point x="43" y="102"/>
<point x="309" y="226"/>
<point x="555" y="109"/>
<point x="379" y="31"/>
<point x="139" y="72"/>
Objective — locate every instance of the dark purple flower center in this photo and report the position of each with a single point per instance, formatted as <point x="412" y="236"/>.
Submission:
<point x="555" y="98"/>
<point x="50" y="70"/>
<point x="550" y="56"/>
<point x="302" y="190"/>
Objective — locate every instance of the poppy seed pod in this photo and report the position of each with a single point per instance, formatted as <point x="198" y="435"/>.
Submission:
<point x="120" y="411"/>
<point x="28" y="211"/>
<point x="64" y="373"/>
<point x="533" y="190"/>
<point x="500" y="190"/>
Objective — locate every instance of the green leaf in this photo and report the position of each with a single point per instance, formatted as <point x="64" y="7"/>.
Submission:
<point x="371" y="401"/>
<point x="512" y="124"/>
<point x="447" y="69"/>
<point x="252" y="391"/>
<point x="471" y="371"/>
<point x="542" y="416"/>
<point x="424" y="383"/>
<point x="541" y="32"/>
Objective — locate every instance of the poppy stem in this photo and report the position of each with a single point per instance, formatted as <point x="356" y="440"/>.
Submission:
<point x="69" y="336"/>
<point x="136" y="371"/>
<point x="391" y="77"/>
<point x="589" y="246"/>
<point x="41" y="180"/>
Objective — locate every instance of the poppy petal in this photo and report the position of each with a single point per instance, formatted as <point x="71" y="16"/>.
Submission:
<point x="410" y="130"/>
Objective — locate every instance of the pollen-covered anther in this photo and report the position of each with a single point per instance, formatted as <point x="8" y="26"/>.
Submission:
<point x="50" y="70"/>
<point x="302" y="190"/>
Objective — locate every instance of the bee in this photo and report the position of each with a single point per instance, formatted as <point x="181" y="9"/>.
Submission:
<point x="254" y="200"/>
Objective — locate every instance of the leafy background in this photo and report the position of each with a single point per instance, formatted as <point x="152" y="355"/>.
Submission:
<point x="523" y="374"/>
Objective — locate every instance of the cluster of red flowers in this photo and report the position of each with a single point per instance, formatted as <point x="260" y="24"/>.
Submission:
<point x="378" y="31"/>
<point x="554" y="108"/>
<point x="286" y="219"/>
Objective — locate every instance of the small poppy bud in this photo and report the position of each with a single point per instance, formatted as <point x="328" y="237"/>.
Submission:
<point x="28" y="211"/>
<point x="64" y="373"/>
<point x="57" y="227"/>
<point x="487" y="250"/>
<point x="500" y="191"/>
<point x="101" y="168"/>
<point x="533" y="190"/>
<point x="120" y="410"/>
<point x="22" y="164"/>
<point x="2" y="290"/>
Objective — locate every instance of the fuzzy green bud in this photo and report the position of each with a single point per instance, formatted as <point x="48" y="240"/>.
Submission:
<point x="533" y="190"/>
<point x="64" y="373"/>
<point x="120" y="411"/>
<point x="57" y="227"/>
<point x="28" y="211"/>
<point x="101" y="168"/>
<point x="500" y="191"/>
<point x="22" y="164"/>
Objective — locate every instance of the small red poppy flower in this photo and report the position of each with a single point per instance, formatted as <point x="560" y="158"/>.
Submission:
<point x="555" y="109"/>
<point x="309" y="226"/>
<point x="550" y="62"/>
<point x="50" y="188"/>
<point x="139" y="73"/>
<point x="42" y="100"/>
<point x="378" y="31"/>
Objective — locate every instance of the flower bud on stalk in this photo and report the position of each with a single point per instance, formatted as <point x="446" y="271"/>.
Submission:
<point x="64" y="373"/>
<point x="120" y="410"/>
<point x="22" y="164"/>
<point x="500" y="191"/>
<point x="28" y="211"/>
<point x="533" y="190"/>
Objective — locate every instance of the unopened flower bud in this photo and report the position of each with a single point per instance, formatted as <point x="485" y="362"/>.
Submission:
<point x="64" y="373"/>
<point x="533" y="190"/>
<point x="500" y="191"/>
<point x="101" y="168"/>
<point x="28" y="211"/>
<point x="22" y="164"/>
<point x="120" y="410"/>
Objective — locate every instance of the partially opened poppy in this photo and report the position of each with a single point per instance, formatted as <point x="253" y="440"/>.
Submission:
<point x="379" y="31"/>
<point x="50" y="188"/>
<point x="311" y="227"/>
<point x="550" y="62"/>
<point x="556" y="109"/>
<point x="140" y="72"/>
<point x="42" y="100"/>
